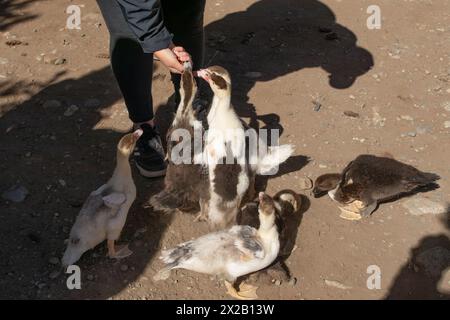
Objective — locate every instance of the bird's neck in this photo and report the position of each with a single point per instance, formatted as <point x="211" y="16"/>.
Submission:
<point x="266" y="223"/>
<point x="122" y="171"/>
<point x="221" y="103"/>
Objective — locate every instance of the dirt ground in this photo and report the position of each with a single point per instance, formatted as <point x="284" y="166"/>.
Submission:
<point x="289" y="72"/>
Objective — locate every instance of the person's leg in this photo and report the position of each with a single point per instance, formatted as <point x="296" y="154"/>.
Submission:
<point x="133" y="70"/>
<point x="184" y="18"/>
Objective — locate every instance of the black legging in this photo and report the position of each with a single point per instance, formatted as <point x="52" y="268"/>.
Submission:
<point x="133" y="68"/>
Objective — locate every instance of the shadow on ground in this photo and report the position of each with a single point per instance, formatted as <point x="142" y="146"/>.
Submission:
<point x="60" y="159"/>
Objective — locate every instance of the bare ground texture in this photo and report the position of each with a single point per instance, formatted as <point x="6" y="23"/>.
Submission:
<point x="311" y="68"/>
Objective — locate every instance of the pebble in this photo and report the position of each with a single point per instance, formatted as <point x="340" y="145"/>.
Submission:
<point x="433" y="261"/>
<point x="53" y="260"/>
<point x="447" y="124"/>
<point x="59" y="61"/>
<point x="51" y="104"/>
<point x="278" y="282"/>
<point x="336" y="284"/>
<point x="71" y="110"/>
<point x="407" y="118"/>
<point x="3" y="61"/>
<point x="292" y="282"/>
<point x="419" y="206"/>
<point x="351" y="114"/>
<point x="17" y="193"/>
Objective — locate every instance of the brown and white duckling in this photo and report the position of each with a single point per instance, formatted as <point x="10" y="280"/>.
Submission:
<point x="287" y="205"/>
<point x="186" y="180"/>
<point x="368" y="180"/>
<point x="105" y="211"/>
<point x="231" y="174"/>
<point x="229" y="253"/>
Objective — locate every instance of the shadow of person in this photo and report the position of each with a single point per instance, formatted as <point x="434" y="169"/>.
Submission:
<point x="60" y="158"/>
<point x="11" y="13"/>
<point x="271" y="39"/>
<point x="427" y="273"/>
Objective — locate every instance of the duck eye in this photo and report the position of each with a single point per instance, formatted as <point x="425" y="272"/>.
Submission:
<point x="75" y="240"/>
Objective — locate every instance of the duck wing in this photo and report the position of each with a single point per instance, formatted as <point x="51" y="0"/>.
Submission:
<point x="247" y="242"/>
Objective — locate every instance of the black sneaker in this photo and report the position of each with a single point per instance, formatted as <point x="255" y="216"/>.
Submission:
<point x="149" y="153"/>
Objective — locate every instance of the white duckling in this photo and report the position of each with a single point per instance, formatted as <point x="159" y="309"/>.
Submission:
<point x="230" y="253"/>
<point x="105" y="211"/>
<point x="231" y="170"/>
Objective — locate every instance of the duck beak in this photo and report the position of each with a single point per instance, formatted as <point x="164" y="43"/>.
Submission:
<point x="137" y="134"/>
<point x="204" y="74"/>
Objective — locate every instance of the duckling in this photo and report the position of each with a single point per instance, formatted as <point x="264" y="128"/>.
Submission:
<point x="368" y="180"/>
<point x="186" y="182"/>
<point x="105" y="211"/>
<point x="229" y="253"/>
<point x="287" y="204"/>
<point x="231" y="171"/>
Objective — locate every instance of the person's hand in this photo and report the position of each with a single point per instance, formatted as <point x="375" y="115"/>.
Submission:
<point x="173" y="57"/>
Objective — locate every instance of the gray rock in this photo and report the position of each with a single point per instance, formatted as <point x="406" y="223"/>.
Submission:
<point x="59" y="61"/>
<point x="92" y="103"/>
<point x="433" y="261"/>
<point x="17" y="193"/>
<point x="51" y="104"/>
<point x="419" y="206"/>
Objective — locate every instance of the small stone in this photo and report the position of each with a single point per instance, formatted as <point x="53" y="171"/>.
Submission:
<point x="305" y="183"/>
<point x="15" y="194"/>
<point x="433" y="261"/>
<point x="292" y="282"/>
<point x="447" y="124"/>
<point x="407" y="118"/>
<point x="411" y="134"/>
<point x="253" y="75"/>
<point x="277" y="282"/>
<point x="92" y="103"/>
<point x="418" y="206"/>
<point x="51" y="104"/>
<point x="317" y="106"/>
<point x="351" y="114"/>
<point x="3" y="61"/>
<point x="423" y="129"/>
<point x="53" y="260"/>
<point x="59" y="61"/>
<point x="336" y="284"/>
<point x="71" y="110"/>
<point x="62" y="182"/>
<point x="124" y="267"/>
<point x="54" y="274"/>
